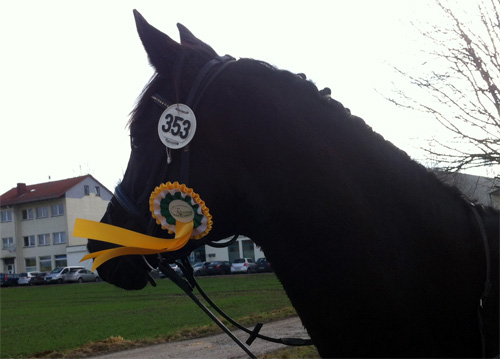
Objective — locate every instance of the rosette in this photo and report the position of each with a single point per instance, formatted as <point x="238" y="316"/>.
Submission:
<point x="171" y="203"/>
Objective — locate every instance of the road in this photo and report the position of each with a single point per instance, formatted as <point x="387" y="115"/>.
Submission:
<point x="216" y="346"/>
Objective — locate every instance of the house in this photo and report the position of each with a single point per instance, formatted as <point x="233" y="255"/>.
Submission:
<point x="37" y="223"/>
<point x="481" y="190"/>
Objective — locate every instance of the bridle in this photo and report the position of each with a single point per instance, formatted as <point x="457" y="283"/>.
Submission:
<point x="204" y="78"/>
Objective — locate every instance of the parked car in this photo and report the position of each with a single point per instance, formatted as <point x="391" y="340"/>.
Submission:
<point x="244" y="265"/>
<point x="58" y="275"/>
<point x="176" y="268"/>
<point x="25" y="278"/>
<point x="219" y="267"/>
<point x="81" y="275"/>
<point x="200" y="268"/>
<point x="39" y="278"/>
<point x="8" y="279"/>
<point x="263" y="265"/>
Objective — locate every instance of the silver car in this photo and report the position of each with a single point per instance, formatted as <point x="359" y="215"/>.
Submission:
<point x="244" y="265"/>
<point x="81" y="275"/>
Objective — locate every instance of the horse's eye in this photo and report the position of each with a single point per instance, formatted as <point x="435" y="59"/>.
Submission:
<point x="134" y="142"/>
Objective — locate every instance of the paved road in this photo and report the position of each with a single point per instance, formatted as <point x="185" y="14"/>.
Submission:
<point x="218" y="346"/>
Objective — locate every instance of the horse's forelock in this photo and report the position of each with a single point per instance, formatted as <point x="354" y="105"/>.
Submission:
<point x="144" y="104"/>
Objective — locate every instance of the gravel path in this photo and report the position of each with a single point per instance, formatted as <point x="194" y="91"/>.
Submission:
<point x="216" y="346"/>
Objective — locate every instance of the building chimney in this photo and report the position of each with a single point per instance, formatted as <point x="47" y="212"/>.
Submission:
<point x="21" y="188"/>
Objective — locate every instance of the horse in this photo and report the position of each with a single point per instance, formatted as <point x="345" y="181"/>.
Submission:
<point x="399" y="264"/>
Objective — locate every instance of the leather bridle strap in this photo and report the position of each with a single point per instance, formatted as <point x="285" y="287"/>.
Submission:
<point x="205" y="77"/>
<point x="125" y="202"/>
<point x="207" y="74"/>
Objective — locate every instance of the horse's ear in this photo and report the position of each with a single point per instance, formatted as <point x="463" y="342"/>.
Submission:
<point x="188" y="39"/>
<point x="161" y="49"/>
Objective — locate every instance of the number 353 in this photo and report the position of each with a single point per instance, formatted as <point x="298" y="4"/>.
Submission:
<point x="176" y="125"/>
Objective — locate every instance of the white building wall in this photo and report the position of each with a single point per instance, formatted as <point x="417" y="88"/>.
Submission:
<point x="89" y="206"/>
<point x="35" y="226"/>
<point x="75" y="254"/>
<point x="237" y="250"/>
<point x="216" y="254"/>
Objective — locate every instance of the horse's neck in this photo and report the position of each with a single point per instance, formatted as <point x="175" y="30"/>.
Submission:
<point x="343" y="194"/>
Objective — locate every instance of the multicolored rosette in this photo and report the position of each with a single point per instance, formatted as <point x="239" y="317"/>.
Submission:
<point x="173" y="204"/>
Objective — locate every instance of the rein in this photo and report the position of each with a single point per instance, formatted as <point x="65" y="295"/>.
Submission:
<point x="487" y="283"/>
<point x="204" y="78"/>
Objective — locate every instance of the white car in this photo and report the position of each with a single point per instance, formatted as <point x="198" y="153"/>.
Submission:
<point x="244" y="265"/>
<point x="25" y="278"/>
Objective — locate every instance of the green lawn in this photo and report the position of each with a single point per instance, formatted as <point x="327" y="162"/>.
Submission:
<point x="43" y="319"/>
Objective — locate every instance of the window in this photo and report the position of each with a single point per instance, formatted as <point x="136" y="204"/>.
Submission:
<point x="27" y="214"/>
<point x="30" y="264"/>
<point x="29" y="241"/>
<point x="86" y="190"/>
<point x="59" y="237"/>
<point x="43" y="239"/>
<point x="234" y="251"/>
<point x="42" y="212"/>
<point x="61" y="261"/>
<point x="98" y="191"/>
<point x="8" y="243"/>
<point x="57" y="210"/>
<point x="7" y="216"/>
<point x="45" y="264"/>
<point x="248" y="249"/>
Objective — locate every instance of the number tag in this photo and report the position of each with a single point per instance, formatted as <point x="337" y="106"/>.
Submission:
<point x="177" y="126"/>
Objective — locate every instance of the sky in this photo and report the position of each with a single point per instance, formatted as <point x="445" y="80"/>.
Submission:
<point x="71" y="71"/>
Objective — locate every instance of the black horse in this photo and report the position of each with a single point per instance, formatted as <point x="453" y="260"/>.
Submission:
<point x="397" y="262"/>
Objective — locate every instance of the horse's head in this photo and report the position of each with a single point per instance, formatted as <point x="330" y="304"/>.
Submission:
<point x="177" y="67"/>
<point x="235" y="104"/>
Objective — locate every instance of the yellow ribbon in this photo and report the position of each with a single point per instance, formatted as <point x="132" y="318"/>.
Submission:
<point x="132" y="242"/>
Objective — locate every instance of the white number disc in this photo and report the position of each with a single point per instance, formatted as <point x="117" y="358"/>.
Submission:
<point x="177" y="126"/>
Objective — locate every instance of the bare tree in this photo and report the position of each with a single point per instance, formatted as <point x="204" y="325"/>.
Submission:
<point x="460" y="87"/>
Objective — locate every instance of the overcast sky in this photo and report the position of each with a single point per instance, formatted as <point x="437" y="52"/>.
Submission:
<point x="71" y="71"/>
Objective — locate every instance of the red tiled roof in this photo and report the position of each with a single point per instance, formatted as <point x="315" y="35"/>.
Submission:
<point x="38" y="192"/>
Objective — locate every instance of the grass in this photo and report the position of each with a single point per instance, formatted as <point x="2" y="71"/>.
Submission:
<point x="80" y="319"/>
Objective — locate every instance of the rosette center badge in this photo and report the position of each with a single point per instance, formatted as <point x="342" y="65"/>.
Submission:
<point x="181" y="211"/>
